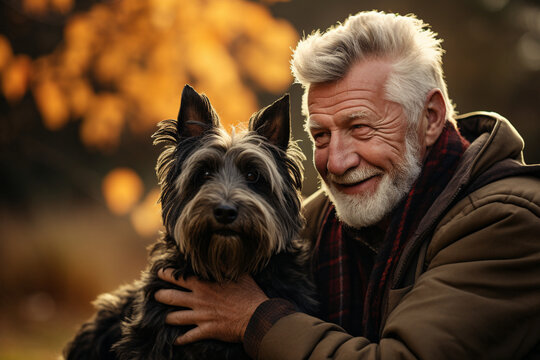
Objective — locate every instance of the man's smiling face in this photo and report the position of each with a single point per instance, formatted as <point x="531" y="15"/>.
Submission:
<point x="363" y="151"/>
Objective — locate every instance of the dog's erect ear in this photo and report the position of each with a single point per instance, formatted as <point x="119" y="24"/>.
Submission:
<point x="274" y="122"/>
<point x="196" y="115"/>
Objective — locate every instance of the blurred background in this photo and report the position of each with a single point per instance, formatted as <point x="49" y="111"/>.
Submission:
<point x="83" y="84"/>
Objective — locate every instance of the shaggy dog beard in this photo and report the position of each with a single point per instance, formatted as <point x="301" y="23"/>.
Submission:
<point x="225" y="252"/>
<point x="366" y="209"/>
<point x="222" y="253"/>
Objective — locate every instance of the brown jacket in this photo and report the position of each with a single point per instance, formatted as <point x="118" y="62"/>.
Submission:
<point x="468" y="283"/>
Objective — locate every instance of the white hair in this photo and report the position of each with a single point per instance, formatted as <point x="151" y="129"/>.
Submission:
<point x="412" y="48"/>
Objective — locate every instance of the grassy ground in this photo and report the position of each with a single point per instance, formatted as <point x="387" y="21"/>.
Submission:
<point x="53" y="262"/>
<point x="43" y="341"/>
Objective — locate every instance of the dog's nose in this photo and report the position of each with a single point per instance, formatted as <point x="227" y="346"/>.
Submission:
<point x="225" y="213"/>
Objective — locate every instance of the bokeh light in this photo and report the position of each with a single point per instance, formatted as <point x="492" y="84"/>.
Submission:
<point x="122" y="189"/>
<point x="146" y="217"/>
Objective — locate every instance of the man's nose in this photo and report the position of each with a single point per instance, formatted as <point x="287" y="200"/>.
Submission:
<point x="341" y="155"/>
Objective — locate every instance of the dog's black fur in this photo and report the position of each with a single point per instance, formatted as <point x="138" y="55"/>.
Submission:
<point x="130" y="323"/>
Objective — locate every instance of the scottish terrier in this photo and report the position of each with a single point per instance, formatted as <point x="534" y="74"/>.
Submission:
<point x="230" y="206"/>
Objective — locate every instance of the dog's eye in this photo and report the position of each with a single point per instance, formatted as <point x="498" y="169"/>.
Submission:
<point x="205" y="175"/>
<point x="252" y="176"/>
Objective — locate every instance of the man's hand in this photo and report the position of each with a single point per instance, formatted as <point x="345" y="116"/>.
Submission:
<point x="219" y="311"/>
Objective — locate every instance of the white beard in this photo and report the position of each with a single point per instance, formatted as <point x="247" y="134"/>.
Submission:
<point x="361" y="210"/>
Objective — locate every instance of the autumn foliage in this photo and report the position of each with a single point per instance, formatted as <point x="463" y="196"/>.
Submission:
<point x="123" y="63"/>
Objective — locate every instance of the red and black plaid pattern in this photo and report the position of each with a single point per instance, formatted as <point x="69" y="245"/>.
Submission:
<point x="342" y="272"/>
<point x="333" y="274"/>
<point x="349" y="279"/>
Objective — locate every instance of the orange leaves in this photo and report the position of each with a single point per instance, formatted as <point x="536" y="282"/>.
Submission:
<point x="42" y="7"/>
<point x="62" y="6"/>
<point x="35" y="6"/>
<point x="268" y="67"/>
<point x="15" y="72"/>
<point x="80" y="43"/>
<point x="5" y="52"/>
<point x="52" y="104"/>
<point x="138" y="55"/>
<point x="110" y="65"/>
<point x="80" y="96"/>
<point x="80" y="32"/>
<point x="16" y="77"/>
<point x="259" y="43"/>
<point x="103" y="122"/>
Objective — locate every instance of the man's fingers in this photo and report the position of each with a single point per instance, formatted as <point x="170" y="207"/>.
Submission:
<point x="192" y="335"/>
<point x="181" y="317"/>
<point x="167" y="275"/>
<point x="174" y="297"/>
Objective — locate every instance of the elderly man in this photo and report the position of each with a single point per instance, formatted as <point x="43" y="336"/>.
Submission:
<point x="426" y="230"/>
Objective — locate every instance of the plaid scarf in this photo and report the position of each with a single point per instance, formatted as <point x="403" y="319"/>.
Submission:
<point x="351" y="276"/>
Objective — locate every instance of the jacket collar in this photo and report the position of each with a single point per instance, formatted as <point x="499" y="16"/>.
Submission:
<point x="493" y="139"/>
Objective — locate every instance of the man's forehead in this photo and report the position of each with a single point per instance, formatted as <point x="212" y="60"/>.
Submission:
<point x="325" y="90"/>
<point x="368" y="74"/>
<point x="313" y="124"/>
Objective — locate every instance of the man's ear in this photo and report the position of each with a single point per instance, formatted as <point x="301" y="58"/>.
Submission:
<point x="434" y="115"/>
<point x="273" y="122"/>
<point x="196" y="114"/>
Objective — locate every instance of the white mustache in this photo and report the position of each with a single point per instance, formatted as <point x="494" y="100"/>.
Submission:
<point x="353" y="176"/>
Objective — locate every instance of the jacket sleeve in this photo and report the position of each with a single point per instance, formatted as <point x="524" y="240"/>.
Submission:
<point x="479" y="297"/>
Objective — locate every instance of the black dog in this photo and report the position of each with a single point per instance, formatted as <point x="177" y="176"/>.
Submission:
<point x="230" y="205"/>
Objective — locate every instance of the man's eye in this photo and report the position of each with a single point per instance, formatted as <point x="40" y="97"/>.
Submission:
<point x="361" y="129"/>
<point x="321" y="138"/>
